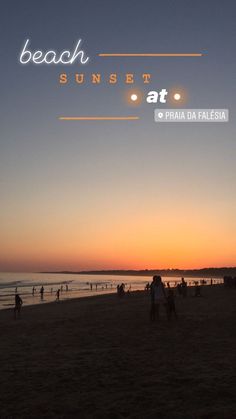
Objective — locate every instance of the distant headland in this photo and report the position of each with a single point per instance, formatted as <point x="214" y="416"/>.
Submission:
<point x="204" y="272"/>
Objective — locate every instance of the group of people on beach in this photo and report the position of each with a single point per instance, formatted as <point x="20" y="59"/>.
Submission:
<point x="182" y="288"/>
<point x="41" y="291"/>
<point x="58" y="292"/>
<point x="19" y="301"/>
<point x="121" y="290"/>
<point x="95" y="285"/>
<point x="161" y="295"/>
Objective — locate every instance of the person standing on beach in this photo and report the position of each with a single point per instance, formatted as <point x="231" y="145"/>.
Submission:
<point x="18" y="305"/>
<point x="184" y="287"/>
<point x="58" y="294"/>
<point x="42" y="292"/>
<point x="152" y="310"/>
<point x="147" y="287"/>
<point x="159" y="296"/>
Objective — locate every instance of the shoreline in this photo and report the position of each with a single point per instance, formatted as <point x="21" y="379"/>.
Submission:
<point x="62" y="301"/>
<point x="76" y="286"/>
<point x="101" y="296"/>
<point x="89" y="294"/>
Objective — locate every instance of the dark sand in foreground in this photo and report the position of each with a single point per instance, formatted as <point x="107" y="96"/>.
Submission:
<point x="102" y="358"/>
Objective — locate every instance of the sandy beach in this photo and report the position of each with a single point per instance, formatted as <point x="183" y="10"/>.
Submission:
<point x="101" y="357"/>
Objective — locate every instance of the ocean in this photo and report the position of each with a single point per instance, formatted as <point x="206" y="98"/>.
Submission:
<point x="71" y="286"/>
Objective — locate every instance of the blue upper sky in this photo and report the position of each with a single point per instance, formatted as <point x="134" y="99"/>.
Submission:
<point x="43" y="159"/>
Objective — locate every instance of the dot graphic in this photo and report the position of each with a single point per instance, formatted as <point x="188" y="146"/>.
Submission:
<point x="177" y="96"/>
<point x="134" y="97"/>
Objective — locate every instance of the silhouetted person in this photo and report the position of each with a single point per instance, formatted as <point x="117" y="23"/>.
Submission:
<point x="147" y="286"/>
<point x="96" y="287"/>
<point x="33" y="290"/>
<point x="121" y="290"/>
<point x="152" y="309"/>
<point x="91" y="286"/>
<point x="18" y="305"/>
<point x="58" y="294"/>
<point x="42" y="292"/>
<point x="184" y="287"/>
<point x="158" y="298"/>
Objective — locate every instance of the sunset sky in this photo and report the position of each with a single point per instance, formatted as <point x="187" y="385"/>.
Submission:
<point x="126" y="194"/>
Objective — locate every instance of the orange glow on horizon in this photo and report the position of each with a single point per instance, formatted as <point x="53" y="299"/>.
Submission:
<point x="152" y="242"/>
<point x="116" y="224"/>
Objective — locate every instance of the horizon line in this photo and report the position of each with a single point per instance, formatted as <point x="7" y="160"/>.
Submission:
<point x="138" y="270"/>
<point x="119" y="270"/>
